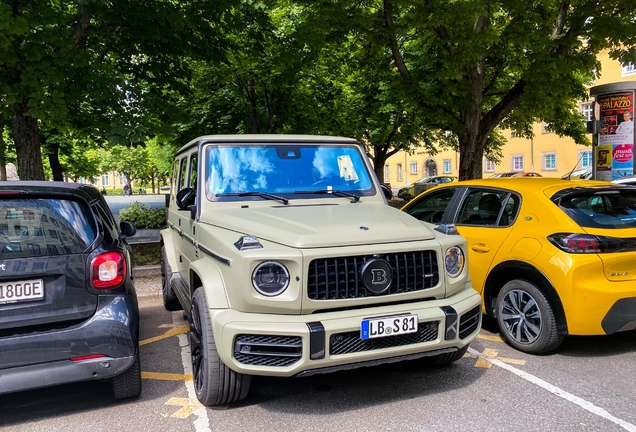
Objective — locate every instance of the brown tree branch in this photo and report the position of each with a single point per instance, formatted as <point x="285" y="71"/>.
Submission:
<point x="395" y="49"/>
<point x="82" y="24"/>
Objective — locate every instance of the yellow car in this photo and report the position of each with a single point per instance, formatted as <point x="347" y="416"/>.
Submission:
<point x="550" y="257"/>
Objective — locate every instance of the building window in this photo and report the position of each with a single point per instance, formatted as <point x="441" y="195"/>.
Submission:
<point x="517" y="162"/>
<point x="104" y="179"/>
<point x="489" y="166"/>
<point x="82" y="180"/>
<point x="585" y="157"/>
<point x="545" y="128"/>
<point x="413" y="167"/>
<point x="399" y="172"/>
<point x="629" y="69"/>
<point x="387" y="173"/>
<point x="122" y="179"/>
<point x="549" y="161"/>
<point x="587" y="110"/>
<point x="446" y="166"/>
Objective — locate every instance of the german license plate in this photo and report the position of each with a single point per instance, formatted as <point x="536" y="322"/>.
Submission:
<point x="388" y="326"/>
<point x="21" y="291"/>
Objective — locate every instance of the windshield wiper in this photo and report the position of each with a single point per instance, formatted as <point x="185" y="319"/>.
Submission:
<point x="354" y="197"/>
<point x="258" y="194"/>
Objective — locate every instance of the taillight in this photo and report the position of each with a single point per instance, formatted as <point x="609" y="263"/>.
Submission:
<point x="108" y="270"/>
<point x="585" y="243"/>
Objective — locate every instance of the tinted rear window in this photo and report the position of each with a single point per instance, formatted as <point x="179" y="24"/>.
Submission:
<point x="44" y="227"/>
<point x="602" y="209"/>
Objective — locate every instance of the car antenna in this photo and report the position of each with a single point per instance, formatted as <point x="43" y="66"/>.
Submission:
<point x="573" y="169"/>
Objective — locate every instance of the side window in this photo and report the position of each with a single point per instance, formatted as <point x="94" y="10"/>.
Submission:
<point x="431" y="207"/>
<point x="175" y="179"/>
<point x="194" y="159"/>
<point x="488" y="207"/>
<point x="182" y="174"/>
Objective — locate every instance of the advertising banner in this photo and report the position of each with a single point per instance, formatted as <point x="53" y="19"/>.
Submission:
<point x="615" y="152"/>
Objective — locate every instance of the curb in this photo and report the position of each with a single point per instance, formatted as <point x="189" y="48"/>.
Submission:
<point x="147" y="271"/>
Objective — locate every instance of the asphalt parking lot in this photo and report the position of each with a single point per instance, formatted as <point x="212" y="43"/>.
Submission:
<point x="587" y="385"/>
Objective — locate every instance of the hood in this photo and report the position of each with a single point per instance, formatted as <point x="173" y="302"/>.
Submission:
<point x="322" y="225"/>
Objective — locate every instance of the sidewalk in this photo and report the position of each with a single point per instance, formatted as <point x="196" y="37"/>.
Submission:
<point x="147" y="281"/>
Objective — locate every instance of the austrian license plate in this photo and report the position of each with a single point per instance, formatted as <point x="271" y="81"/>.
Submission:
<point x="21" y="291"/>
<point x="388" y="326"/>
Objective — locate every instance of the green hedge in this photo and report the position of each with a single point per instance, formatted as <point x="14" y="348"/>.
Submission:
<point x="144" y="216"/>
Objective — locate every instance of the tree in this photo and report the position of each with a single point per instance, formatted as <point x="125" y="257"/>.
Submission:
<point x="475" y="66"/>
<point x="64" y="59"/>
<point x="132" y="162"/>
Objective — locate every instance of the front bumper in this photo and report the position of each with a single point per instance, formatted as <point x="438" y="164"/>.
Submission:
<point x="43" y="358"/>
<point x="277" y="345"/>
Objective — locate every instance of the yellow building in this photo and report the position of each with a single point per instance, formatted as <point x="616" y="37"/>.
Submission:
<point x="546" y="154"/>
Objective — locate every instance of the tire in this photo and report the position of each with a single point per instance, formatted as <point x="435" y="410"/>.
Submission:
<point x="170" y="300"/>
<point x="443" y="359"/>
<point x="128" y="384"/>
<point x="526" y="318"/>
<point x="214" y="382"/>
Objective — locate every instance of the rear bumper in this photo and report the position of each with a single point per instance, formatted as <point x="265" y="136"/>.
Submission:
<point x="275" y="345"/>
<point x="621" y="316"/>
<point x="61" y="372"/>
<point x="42" y="358"/>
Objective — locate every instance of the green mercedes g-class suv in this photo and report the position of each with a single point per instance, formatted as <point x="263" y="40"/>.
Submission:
<point x="287" y="260"/>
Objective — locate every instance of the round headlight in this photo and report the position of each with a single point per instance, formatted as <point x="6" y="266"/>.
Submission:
<point x="454" y="261"/>
<point x="270" y="278"/>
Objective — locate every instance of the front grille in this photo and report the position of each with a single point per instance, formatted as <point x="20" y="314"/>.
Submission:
<point x="339" y="278"/>
<point x="263" y="350"/>
<point x="350" y="342"/>
<point x="469" y="321"/>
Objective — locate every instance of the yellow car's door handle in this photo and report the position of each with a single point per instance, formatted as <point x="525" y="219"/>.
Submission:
<point x="480" y="248"/>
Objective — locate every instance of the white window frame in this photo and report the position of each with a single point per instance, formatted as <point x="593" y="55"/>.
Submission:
<point x="122" y="179"/>
<point x="583" y="157"/>
<point x="413" y="166"/>
<point x="544" y="129"/>
<point x="629" y="69"/>
<point x="446" y="166"/>
<point x="104" y="179"/>
<point x="549" y="161"/>
<point x="489" y="166"/>
<point x="387" y="173"/>
<point x="517" y="162"/>
<point x="587" y="109"/>
<point x="399" y="172"/>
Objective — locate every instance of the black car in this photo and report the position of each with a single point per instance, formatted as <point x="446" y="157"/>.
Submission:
<point x="68" y="308"/>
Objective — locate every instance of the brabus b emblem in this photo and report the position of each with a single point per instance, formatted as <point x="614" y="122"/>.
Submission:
<point x="379" y="277"/>
<point x="376" y="275"/>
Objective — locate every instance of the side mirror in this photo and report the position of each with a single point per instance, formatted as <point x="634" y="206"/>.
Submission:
<point x="127" y="228"/>
<point x="388" y="193"/>
<point x="185" y="198"/>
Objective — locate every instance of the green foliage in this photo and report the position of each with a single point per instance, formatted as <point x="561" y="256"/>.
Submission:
<point x="143" y="216"/>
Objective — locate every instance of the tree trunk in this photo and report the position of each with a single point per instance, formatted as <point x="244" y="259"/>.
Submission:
<point x="3" y="149"/>
<point x="471" y="156"/>
<point x="26" y="135"/>
<point x="54" y="161"/>
<point x="379" y="160"/>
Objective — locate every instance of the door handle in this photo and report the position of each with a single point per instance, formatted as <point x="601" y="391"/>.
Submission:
<point x="480" y="248"/>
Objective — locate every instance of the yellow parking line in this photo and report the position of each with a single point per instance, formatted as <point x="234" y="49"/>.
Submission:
<point x="166" y="376"/>
<point x="188" y="406"/>
<point x="490" y="338"/>
<point x="169" y="333"/>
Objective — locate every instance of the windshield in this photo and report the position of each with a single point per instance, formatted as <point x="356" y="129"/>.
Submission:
<point x="614" y="208"/>
<point x="289" y="171"/>
<point x="39" y="227"/>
